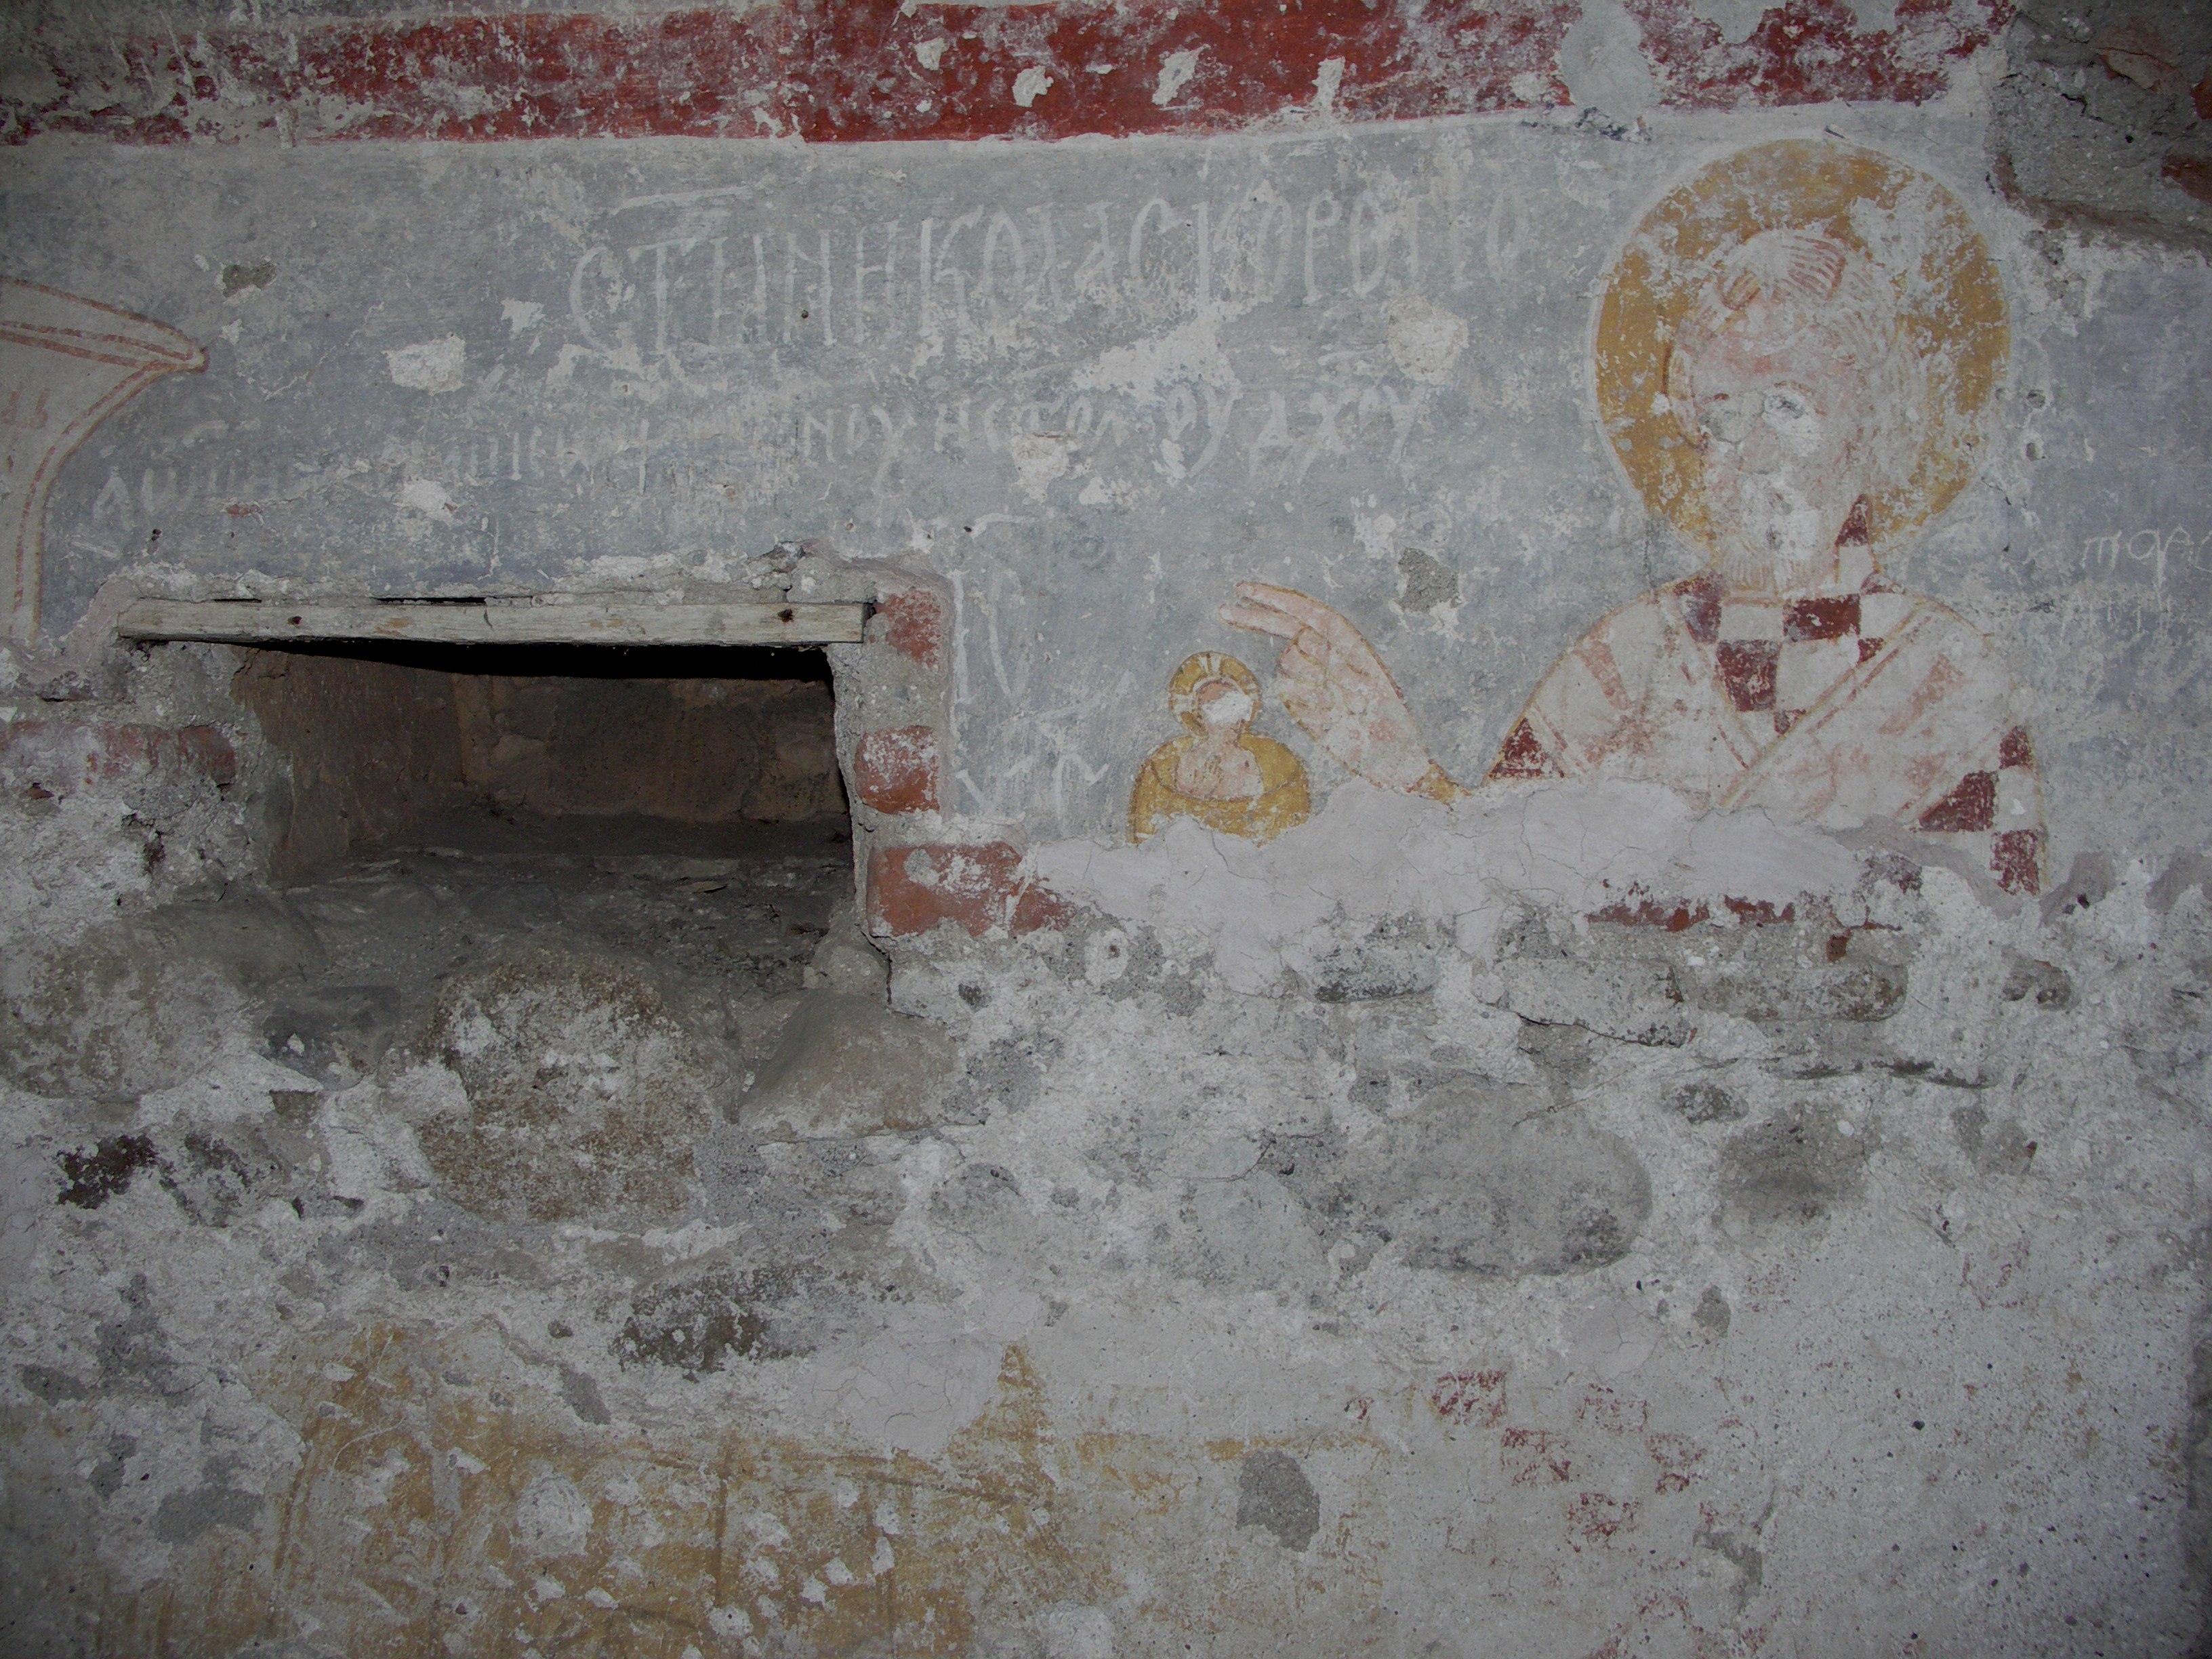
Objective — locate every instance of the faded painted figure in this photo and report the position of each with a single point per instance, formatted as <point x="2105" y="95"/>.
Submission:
<point x="66" y="365"/>
<point x="1792" y="353"/>
<point x="1219" y="773"/>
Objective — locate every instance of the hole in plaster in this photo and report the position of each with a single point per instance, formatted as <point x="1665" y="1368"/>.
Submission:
<point x="560" y="870"/>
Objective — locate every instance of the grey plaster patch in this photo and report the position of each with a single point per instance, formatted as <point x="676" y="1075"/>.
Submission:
<point x="1489" y="1183"/>
<point x="583" y="1396"/>
<point x="1748" y="1560"/>
<point x="1711" y="1314"/>
<point x="108" y="1471"/>
<point x="1273" y="1494"/>
<point x="1396" y="956"/>
<point x="1795" y="1167"/>
<point x="700" y="1324"/>
<point x="50" y="1383"/>
<point x="2198" y="1463"/>
<point x="552" y="1518"/>
<point x="2087" y="880"/>
<point x="114" y="1014"/>
<point x="1425" y="582"/>
<point x="1007" y="1074"/>
<point x="183" y="1515"/>
<point x="1706" y="1102"/>
<point x="1632" y="1001"/>
<point x="2031" y="979"/>
<point x="1602" y="60"/>
<point x="977" y="1194"/>
<point x="584" y="1095"/>
<point x="1998" y="1146"/>
<point x="1245" y="1233"/>
<point x="1735" y="18"/>
<point x="213" y="1178"/>
<point x="133" y="1349"/>
<point x="243" y="278"/>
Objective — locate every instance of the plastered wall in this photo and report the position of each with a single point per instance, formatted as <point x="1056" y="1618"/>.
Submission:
<point x="1525" y="955"/>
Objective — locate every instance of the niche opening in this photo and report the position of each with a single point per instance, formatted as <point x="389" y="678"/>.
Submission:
<point x="547" y="750"/>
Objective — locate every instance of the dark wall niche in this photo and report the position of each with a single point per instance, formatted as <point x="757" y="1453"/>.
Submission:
<point x="589" y="749"/>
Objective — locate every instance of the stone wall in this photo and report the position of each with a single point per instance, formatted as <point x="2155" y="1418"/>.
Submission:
<point x="1528" y="929"/>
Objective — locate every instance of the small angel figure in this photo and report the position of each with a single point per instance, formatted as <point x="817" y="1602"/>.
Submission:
<point x="1219" y="773"/>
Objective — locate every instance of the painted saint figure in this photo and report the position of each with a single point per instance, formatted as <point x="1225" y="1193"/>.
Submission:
<point x="1787" y="406"/>
<point x="1219" y="772"/>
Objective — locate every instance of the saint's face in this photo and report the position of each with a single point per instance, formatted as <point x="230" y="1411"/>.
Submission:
<point x="1778" y="420"/>
<point x="1223" y="705"/>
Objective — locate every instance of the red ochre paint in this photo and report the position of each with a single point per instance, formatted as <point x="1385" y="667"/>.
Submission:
<point x="850" y="72"/>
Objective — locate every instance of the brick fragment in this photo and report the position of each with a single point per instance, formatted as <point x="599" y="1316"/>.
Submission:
<point x="59" y="757"/>
<point x="895" y="768"/>
<point x="912" y="890"/>
<point x="915" y="625"/>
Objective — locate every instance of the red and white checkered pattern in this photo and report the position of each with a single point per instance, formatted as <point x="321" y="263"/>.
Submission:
<point x="1777" y="661"/>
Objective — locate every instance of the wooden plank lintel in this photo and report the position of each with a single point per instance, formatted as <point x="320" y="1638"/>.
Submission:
<point x="582" y="620"/>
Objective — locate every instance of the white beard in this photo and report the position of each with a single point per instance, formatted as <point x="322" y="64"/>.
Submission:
<point x="1779" y="539"/>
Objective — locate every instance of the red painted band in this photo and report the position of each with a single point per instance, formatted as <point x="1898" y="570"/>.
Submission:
<point x="878" y="70"/>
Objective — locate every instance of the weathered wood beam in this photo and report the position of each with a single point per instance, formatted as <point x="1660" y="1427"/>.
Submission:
<point x="582" y="620"/>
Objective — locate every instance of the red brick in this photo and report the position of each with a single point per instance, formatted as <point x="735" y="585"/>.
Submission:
<point x="1649" y="913"/>
<point x="894" y="770"/>
<point x="914" y="624"/>
<point x="912" y="890"/>
<point x="59" y="757"/>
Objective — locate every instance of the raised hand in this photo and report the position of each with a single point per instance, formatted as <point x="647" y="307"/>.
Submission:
<point x="1335" y="686"/>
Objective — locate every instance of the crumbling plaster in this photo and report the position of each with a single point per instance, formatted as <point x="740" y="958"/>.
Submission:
<point x="1549" y="1221"/>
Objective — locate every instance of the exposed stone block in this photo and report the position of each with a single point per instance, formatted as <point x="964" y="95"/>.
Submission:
<point x="848" y="1066"/>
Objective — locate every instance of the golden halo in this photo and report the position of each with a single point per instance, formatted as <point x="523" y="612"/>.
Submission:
<point x="1182" y="689"/>
<point x="1951" y="307"/>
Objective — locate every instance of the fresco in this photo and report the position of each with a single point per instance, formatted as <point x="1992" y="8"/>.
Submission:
<point x="1220" y="772"/>
<point x="1419" y="374"/>
<point x="1793" y="353"/>
<point x="65" y="364"/>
